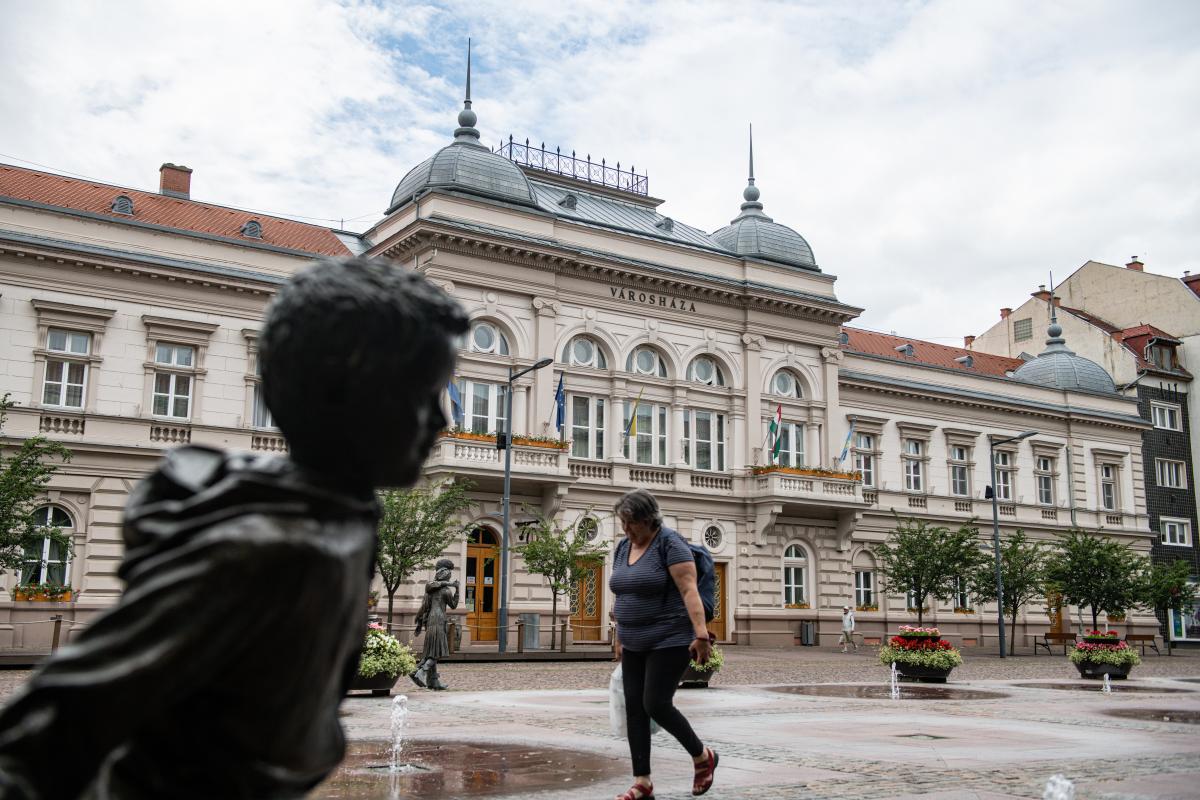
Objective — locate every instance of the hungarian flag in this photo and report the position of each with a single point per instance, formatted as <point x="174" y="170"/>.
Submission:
<point x="773" y="433"/>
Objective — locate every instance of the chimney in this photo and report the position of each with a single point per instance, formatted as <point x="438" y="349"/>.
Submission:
<point x="175" y="181"/>
<point x="1042" y="294"/>
<point x="1134" y="263"/>
<point x="1004" y="312"/>
<point x="968" y="341"/>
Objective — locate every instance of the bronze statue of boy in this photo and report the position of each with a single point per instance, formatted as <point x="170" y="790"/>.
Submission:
<point x="220" y="671"/>
<point x="440" y="593"/>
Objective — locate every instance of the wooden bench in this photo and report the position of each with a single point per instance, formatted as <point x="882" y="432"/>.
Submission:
<point x="1049" y="638"/>
<point x="1143" y="639"/>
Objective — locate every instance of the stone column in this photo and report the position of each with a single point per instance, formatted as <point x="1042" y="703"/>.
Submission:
<point x="752" y="346"/>
<point x="545" y="381"/>
<point x="675" y="437"/>
<point x="813" y="452"/>
<point x="735" y="448"/>
<point x="614" y="424"/>
<point x="835" y="423"/>
<point x="520" y="420"/>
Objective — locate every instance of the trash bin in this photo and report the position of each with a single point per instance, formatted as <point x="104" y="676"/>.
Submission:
<point x="531" y="633"/>
<point x="808" y="633"/>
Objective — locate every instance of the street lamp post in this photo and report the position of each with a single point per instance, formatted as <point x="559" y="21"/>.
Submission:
<point x="508" y="425"/>
<point x="992" y="442"/>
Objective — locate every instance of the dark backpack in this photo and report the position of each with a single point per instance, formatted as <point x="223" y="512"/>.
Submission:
<point x="706" y="573"/>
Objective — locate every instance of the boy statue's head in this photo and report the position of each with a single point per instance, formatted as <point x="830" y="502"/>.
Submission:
<point x="354" y="355"/>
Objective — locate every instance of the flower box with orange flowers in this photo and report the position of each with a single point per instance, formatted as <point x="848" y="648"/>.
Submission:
<point x="545" y="442"/>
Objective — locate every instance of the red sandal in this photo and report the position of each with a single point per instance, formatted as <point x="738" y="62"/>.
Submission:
<point x="638" y="791"/>
<point x="704" y="773"/>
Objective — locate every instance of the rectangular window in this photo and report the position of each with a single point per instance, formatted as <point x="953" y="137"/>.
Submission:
<point x="262" y="414"/>
<point x="1108" y="487"/>
<point x="864" y="458"/>
<point x="66" y="378"/>
<point x="1163" y="356"/>
<point x="1045" y="480"/>
<point x="172" y="395"/>
<point x="791" y="445"/>
<point x="1171" y="474"/>
<point x="1166" y="416"/>
<point x="962" y="598"/>
<point x="704" y="440"/>
<point x="914" y="467"/>
<point x="484" y="406"/>
<point x="864" y="588"/>
<point x="960" y="478"/>
<point x="910" y="600"/>
<point x="793" y="585"/>
<point x="650" y="437"/>
<point x="1004" y="476"/>
<point x="1176" y="532"/>
<point x="586" y="424"/>
<point x="1022" y="329"/>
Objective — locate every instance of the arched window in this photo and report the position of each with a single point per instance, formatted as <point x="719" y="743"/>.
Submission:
<point x="582" y="351"/>
<point x="252" y="229"/>
<point x="705" y="370"/>
<point x="484" y="337"/>
<point x="795" y="567"/>
<point x="646" y="361"/>
<point x="714" y="537"/>
<point x="482" y="535"/>
<point x="45" y="560"/>
<point x="785" y="384"/>
<point x="123" y="205"/>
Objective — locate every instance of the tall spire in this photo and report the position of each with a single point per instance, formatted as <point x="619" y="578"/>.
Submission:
<point x="1055" y="341"/>
<point x="466" y="131"/>
<point x="750" y="194"/>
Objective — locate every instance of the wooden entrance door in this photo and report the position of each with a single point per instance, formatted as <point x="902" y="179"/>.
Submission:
<point x="717" y="626"/>
<point x="586" y="599"/>
<point x="481" y="584"/>
<point x="1054" y="610"/>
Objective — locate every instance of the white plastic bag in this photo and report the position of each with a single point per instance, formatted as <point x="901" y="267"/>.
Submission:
<point x="616" y="705"/>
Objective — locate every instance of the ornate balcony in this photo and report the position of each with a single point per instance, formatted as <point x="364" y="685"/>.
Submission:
<point x="477" y="458"/>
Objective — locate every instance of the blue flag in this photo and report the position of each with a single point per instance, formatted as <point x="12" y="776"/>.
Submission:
<point x="560" y="405"/>
<point x="456" y="406"/>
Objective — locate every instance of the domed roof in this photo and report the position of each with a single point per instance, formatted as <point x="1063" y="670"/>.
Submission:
<point x="466" y="166"/>
<point x="1059" y="368"/>
<point x="755" y="235"/>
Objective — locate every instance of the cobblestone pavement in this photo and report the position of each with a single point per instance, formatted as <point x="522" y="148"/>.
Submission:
<point x="777" y="746"/>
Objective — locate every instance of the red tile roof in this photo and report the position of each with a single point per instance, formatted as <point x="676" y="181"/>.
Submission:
<point x="1103" y="325"/>
<point x="1133" y="339"/>
<point x="927" y="353"/>
<point x="169" y="212"/>
<point x="1193" y="283"/>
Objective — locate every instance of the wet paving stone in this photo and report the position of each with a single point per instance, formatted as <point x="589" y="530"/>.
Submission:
<point x="880" y="692"/>
<point x="441" y="768"/>
<point x="1156" y="715"/>
<point x="1118" y="687"/>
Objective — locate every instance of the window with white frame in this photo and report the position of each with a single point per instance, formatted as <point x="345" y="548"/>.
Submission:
<point x="1171" y="474"/>
<point x="914" y="465"/>
<point x="66" y="367"/>
<point x="962" y="597"/>
<point x="704" y="440"/>
<point x="791" y="444"/>
<point x="1004" y="475"/>
<point x="44" y="560"/>
<point x="785" y="384"/>
<point x="646" y="361"/>
<point x="705" y="370"/>
<point x="1166" y="416"/>
<point x="484" y="337"/>
<point x="585" y="420"/>
<point x="173" y="378"/>
<point x="1175" y="531"/>
<point x="582" y="351"/>
<point x="646" y="438"/>
<point x="1108" y="487"/>
<point x="960" y="471"/>
<point x="864" y="458"/>
<point x="864" y="588"/>
<point x="910" y="600"/>
<point x="483" y="405"/>
<point x="1044" y="475"/>
<point x="795" y="565"/>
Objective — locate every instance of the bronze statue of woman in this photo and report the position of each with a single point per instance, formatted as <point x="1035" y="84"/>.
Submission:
<point x="440" y="593"/>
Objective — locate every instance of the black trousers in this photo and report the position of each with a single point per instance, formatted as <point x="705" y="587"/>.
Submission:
<point x="650" y="681"/>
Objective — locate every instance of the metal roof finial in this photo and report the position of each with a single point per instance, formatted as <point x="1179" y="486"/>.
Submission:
<point x="750" y="194"/>
<point x="1054" y="332"/>
<point x="466" y="131"/>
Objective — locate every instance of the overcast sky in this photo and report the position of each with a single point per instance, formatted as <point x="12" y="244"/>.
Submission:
<point x="940" y="157"/>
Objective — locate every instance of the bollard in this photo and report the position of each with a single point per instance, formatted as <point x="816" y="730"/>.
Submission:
<point x="562" y="638"/>
<point x="57" y="618"/>
<point x="520" y="635"/>
<point x="451" y="630"/>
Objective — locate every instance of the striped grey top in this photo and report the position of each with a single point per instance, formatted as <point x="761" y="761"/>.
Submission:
<point x="649" y="609"/>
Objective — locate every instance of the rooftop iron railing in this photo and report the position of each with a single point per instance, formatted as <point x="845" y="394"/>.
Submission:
<point x="582" y="169"/>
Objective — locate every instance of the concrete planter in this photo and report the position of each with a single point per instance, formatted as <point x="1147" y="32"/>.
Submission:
<point x="379" y="684"/>
<point x="923" y="674"/>
<point x="1116" y="672"/>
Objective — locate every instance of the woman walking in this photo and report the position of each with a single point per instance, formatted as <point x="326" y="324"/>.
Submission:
<point x="660" y="627"/>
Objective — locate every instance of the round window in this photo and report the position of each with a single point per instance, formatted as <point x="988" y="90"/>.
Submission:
<point x="583" y="352"/>
<point x="713" y="537"/>
<point x="646" y="361"/>
<point x="590" y="528"/>
<point x="484" y="337"/>
<point x="785" y="384"/>
<point x="703" y="369"/>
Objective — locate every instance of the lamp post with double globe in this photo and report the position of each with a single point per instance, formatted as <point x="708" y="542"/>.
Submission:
<point x="992" y="443"/>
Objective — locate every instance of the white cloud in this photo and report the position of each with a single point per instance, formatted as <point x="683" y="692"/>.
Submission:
<point x="940" y="157"/>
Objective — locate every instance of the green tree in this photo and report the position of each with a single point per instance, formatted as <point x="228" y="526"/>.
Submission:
<point x="1165" y="588"/>
<point x="560" y="555"/>
<point x="1093" y="571"/>
<point x="926" y="560"/>
<point x="417" y="525"/>
<point x="1023" y="570"/>
<point x="24" y="473"/>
